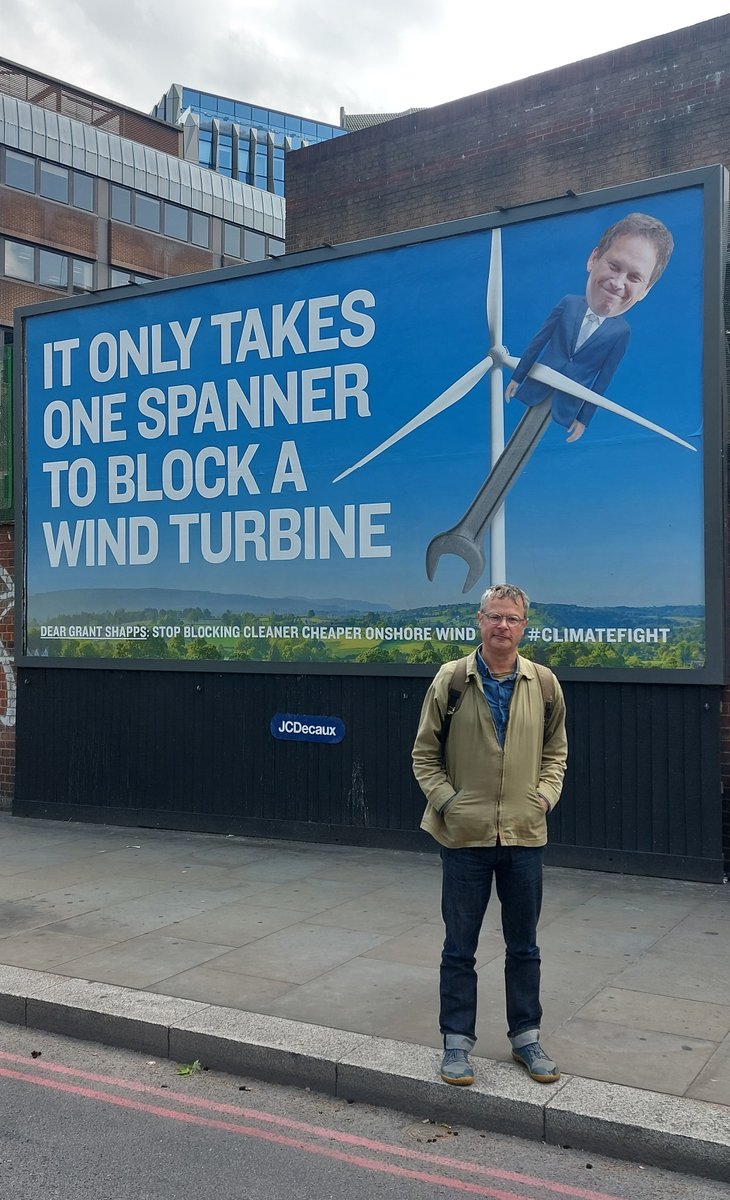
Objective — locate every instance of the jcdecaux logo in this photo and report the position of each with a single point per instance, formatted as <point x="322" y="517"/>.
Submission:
<point x="295" y="727"/>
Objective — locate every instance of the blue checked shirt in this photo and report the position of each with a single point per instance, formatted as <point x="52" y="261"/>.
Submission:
<point x="499" y="696"/>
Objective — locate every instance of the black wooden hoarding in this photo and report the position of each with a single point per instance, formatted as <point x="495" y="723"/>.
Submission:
<point x="195" y="751"/>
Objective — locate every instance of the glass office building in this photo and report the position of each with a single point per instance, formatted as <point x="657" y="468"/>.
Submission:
<point x="242" y="141"/>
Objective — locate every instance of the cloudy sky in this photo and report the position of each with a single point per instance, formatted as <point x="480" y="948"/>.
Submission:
<point x="312" y="56"/>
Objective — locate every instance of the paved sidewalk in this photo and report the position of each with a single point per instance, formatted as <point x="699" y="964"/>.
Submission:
<point x="313" y="939"/>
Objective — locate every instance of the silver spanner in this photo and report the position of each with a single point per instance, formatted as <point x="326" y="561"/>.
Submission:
<point x="466" y="538"/>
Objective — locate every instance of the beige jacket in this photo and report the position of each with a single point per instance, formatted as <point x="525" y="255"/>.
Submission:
<point x="486" y="792"/>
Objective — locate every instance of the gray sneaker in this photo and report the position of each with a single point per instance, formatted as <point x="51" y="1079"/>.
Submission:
<point x="536" y="1062"/>
<point x="456" y="1068"/>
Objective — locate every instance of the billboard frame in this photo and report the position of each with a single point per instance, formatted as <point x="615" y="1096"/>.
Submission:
<point x="714" y="183"/>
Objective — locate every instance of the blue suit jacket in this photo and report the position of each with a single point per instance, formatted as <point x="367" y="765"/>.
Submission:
<point x="593" y="365"/>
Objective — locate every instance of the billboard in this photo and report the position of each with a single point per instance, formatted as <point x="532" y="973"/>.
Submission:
<point x="321" y="462"/>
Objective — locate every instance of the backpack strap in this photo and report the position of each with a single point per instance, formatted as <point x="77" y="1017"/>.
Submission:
<point x="456" y="692"/>
<point x="547" y="686"/>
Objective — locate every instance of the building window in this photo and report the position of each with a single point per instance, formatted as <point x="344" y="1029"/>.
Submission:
<point x="54" y="182"/>
<point x="121" y="204"/>
<point x="19" y="261"/>
<point x="118" y="278"/>
<point x="49" y="268"/>
<point x="176" y="222"/>
<point x="83" y="191"/>
<point x="232" y="241"/>
<point x="254" y="246"/>
<point x="225" y="159"/>
<point x="205" y="149"/>
<point x="276" y="247"/>
<point x="261" y="177"/>
<point x="83" y="276"/>
<point x="19" y="171"/>
<point x="49" y="180"/>
<point x="200" y="235"/>
<point x="53" y="269"/>
<point x="147" y="212"/>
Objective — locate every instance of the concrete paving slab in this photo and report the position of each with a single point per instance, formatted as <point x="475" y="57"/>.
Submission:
<point x="146" y="912"/>
<point x="690" y="976"/>
<point x="636" y="913"/>
<point x="422" y="897"/>
<point x="237" y="924"/>
<point x="580" y="935"/>
<point x="277" y="868"/>
<point x="636" y="1058"/>
<point x="205" y="983"/>
<point x="417" y="947"/>
<point x="41" y="949"/>
<point x="713" y="1081"/>
<point x="642" y="1126"/>
<point x="78" y="898"/>
<point x="579" y="973"/>
<point x="34" y="883"/>
<point x="376" y="872"/>
<point x="169" y="872"/>
<point x="369" y="997"/>
<point x="665" y="1014"/>
<point x="141" y="961"/>
<point x="310" y="896"/>
<point x="297" y="954"/>
<point x="699" y="934"/>
<point x="369" y="914"/>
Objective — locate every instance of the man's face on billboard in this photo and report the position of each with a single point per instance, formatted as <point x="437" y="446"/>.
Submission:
<point x="621" y="276"/>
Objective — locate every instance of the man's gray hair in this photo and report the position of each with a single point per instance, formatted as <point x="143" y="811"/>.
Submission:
<point x="505" y="591"/>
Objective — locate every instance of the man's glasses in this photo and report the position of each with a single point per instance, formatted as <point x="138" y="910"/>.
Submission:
<point x="498" y="618"/>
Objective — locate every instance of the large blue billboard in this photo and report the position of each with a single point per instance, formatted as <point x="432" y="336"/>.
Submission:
<point x="326" y="461"/>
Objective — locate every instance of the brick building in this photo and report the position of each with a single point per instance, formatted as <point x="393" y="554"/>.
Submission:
<point x="646" y="110"/>
<point x="94" y="195"/>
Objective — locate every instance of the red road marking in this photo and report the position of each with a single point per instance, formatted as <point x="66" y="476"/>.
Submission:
<point x="285" y="1123"/>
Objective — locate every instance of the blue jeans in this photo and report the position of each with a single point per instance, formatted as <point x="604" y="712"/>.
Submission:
<point x="466" y="887"/>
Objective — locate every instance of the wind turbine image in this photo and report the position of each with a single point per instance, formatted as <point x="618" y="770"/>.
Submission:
<point x="466" y="537"/>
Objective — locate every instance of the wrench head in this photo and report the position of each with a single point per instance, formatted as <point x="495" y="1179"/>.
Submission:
<point x="456" y="543"/>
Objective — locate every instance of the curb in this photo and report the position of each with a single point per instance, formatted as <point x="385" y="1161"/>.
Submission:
<point x="672" y="1132"/>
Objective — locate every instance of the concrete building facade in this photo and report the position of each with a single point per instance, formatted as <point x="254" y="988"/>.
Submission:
<point x="95" y="195"/>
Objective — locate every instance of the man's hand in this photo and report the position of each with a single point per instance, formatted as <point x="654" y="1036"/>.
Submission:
<point x="576" y="430"/>
<point x="543" y="801"/>
<point x="510" y="390"/>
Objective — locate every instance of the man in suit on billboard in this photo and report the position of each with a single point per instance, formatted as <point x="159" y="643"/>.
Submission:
<point x="585" y="337"/>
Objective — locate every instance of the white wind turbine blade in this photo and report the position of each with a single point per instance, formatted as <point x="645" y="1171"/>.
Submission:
<point x="494" y="290"/>
<point x="471" y="378"/>
<point x="497" y="529"/>
<point x="497" y="532"/>
<point x="442" y="402"/>
<point x="564" y="384"/>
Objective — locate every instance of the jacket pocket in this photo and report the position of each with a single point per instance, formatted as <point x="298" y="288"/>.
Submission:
<point x="448" y="803"/>
<point x="465" y="818"/>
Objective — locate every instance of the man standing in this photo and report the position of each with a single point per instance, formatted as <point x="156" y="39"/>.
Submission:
<point x="489" y="788"/>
